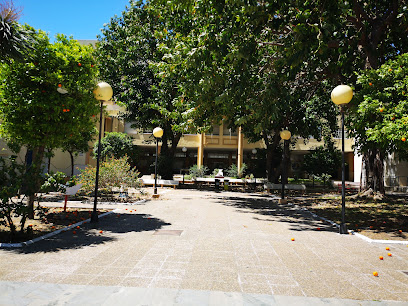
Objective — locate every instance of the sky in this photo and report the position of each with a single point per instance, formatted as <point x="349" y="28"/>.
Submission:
<point x="83" y="19"/>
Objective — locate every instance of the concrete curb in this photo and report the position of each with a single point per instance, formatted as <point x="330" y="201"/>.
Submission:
<point x="25" y="243"/>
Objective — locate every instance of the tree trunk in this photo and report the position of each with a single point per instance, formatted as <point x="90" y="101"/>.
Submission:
<point x="272" y="143"/>
<point x="165" y="162"/>
<point x="33" y="179"/>
<point x="72" y="163"/>
<point x="374" y="167"/>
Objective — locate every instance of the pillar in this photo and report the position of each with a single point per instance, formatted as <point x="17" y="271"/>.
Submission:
<point x="240" y="157"/>
<point x="200" y="150"/>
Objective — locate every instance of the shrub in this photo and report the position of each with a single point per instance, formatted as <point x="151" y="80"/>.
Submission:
<point x="232" y="171"/>
<point x="112" y="173"/>
<point x="115" y="145"/>
<point x="195" y="171"/>
<point x="12" y="208"/>
<point x="54" y="182"/>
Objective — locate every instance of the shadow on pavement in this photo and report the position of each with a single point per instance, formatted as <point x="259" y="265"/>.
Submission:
<point x="299" y="220"/>
<point x="94" y="233"/>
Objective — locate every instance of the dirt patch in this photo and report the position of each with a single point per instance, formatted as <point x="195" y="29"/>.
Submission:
<point x="47" y="220"/>
<point x="385" y="220"/>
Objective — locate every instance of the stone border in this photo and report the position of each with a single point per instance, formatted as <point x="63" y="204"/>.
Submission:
<point x="25" y="243"/>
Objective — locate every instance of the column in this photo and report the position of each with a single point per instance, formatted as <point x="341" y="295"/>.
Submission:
<point x="240" y="157"/>
<point x="200" y="150"/>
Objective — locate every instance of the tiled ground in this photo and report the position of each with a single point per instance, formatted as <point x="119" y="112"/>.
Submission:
<point x="230" y="242"/>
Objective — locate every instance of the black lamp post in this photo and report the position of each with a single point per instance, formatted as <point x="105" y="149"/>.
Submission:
<point x="184" y="149"/>
<point x="341" y="95"/>
<point x="103" y="92"/>
<point x="157" y="133"/>
<point x="285" y="136"/>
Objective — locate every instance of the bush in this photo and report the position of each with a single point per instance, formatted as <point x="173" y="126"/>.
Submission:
<point x="195" y="171"/>
<point x="115" y="145"/>
<point x="54" y="182"/>
<point x="232" y="171"/>
<point x="12" y="208"/>
<point x="112" y="173"/>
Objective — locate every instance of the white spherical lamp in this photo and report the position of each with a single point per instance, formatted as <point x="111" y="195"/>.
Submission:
<point x="342" y="94"/>
<point x="285" y="135"/>
<point x="103" y="92"/>
<point x="158" y="132"/>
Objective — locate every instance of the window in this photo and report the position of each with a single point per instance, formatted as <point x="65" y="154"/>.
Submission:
<point x="337" y="135"/>
<point x="215" y="130"/>
<point x="229" y="132"/>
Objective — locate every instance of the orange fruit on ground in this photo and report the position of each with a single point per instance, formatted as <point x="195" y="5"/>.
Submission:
<point x="381" y="258"/>
<point x="387" y="248"/>
<point x="74" y="232"/>
<point x="389" y="254"/>
<point x="78" y="226"/>
<point x="375" y="273"/>
<point x="101" y="232"/>
<point x="400" y="231"/>
<point x="293" y="239"/>
<point x="318" y="228"/>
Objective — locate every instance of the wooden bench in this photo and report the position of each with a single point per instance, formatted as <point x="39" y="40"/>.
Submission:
<point x="271" y="186"/>
<point x="348" y="188"/>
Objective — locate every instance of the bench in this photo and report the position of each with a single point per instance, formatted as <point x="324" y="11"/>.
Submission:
<point x="271" y="186"/>
<point x="348" y="187"/>
<point x="161" y="183"/>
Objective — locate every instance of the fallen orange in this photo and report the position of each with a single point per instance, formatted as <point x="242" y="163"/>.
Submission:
<point x="389" y="254"/>
<point x="101" y="232"/>
<point x="77" y="226"/>
<point x="387" y="248"/>
<point x="74" y="232"/>
<point x="381" y="258"/>
<point x="375" y="273"/>
<point x="293" y="239"/>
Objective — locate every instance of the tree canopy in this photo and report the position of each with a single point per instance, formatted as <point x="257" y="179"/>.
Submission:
<point x="47" y="99"/>
<point x="129" y="54"/>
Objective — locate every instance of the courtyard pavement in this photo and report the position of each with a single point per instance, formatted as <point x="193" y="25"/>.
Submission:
<point x="204" y="248"/>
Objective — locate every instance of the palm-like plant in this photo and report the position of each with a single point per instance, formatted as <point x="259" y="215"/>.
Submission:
<point x="14" y="39"/>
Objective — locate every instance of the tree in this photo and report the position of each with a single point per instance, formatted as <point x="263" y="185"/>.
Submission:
<point x="78" y="144"/>
<point x="231" y="72"/>
<point x="33" y="113"/>
<point x="322" y="160"/>
<point x="379" y="115"/>
<point x="15" y="40"/>
<point x="116" y="145"/>
<point x="129" y="56"/>
<point x="339" y="38"/>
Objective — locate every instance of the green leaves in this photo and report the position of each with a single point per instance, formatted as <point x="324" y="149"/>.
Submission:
<point x="379" y="114"/>
<point x="32" y="110"/>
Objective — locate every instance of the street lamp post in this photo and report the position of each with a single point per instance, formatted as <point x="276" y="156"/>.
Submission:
<point x="157" y="133"/>
<point x="341" y="95"/>
<point x="285" y="135"/>
<point x="103" y="92"/>
<point x="184" y="149"/>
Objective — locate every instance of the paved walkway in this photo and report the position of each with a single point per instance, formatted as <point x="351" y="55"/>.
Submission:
<point x="200" y="244"/>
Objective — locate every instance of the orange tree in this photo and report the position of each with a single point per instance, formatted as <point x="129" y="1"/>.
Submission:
<point x="379" y="116"/>
<point x="48" y="99"/>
